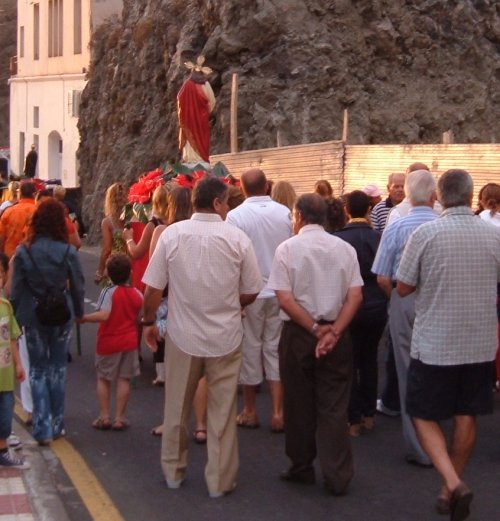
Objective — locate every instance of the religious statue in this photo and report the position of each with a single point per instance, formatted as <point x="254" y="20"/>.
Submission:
<point x="195" y="102"/>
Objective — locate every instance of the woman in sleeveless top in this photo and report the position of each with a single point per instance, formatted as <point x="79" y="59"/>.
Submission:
<point x="111" y="228"/>
<point x="138" y="245"/>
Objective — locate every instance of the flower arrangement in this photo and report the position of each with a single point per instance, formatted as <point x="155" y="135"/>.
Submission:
<point x="139" y="205"/>
<point x="142" y="191"/>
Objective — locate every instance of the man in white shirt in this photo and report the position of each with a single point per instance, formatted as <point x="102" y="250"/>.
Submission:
<point x="317" y="281"/>
<point x="267" y="224"/>
<point x="211" y="272"/>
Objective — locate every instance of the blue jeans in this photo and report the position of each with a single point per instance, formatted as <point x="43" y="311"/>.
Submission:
<point x="6" y="413"/>
<point x="48" y="353"/>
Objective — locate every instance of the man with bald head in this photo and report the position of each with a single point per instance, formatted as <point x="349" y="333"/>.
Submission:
<point x="403" y="208"/>
<point x="267" y="224"/>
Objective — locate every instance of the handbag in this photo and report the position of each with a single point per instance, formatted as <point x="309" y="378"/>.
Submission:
<point x="51" y="306"/>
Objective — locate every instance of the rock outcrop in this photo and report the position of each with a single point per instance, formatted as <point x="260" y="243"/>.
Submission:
<point x="8" y="28"/>
<point x="407" y="71"/>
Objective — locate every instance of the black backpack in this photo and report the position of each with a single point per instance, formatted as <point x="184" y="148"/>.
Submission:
<point x="51" y="308"/>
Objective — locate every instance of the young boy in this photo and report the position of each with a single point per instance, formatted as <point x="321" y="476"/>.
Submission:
<point x="10" y="367"/>
<point x="117" y="341"/>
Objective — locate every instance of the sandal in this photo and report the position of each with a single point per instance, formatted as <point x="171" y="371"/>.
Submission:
<point x="200" y="436"/>
<point x="157" y="431"/>
<point x="102" y="424"/>
<point x="120" y="425"/>
<point x="247" y="421"/>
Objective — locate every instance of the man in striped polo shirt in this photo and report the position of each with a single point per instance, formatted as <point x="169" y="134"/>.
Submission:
<point x="380" y="212"/>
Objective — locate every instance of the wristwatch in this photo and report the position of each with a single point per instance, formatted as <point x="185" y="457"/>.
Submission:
<point x="147" y="322"/>
<point x="314" y="328"/>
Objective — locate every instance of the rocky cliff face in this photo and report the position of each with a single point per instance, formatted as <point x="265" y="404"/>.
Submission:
<point x="8" y="21"/>
<point x="407" y="71"/>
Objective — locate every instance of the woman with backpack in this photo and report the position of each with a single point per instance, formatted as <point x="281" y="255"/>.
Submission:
<point x="47" y="294"/>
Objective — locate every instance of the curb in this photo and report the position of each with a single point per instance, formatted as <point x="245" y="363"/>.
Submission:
<point x="39" y="479"/>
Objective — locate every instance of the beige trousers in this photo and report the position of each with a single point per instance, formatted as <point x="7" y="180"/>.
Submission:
<point x="182" y="373"/>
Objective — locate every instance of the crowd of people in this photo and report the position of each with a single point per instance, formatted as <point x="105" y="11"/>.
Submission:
<point x="232" y="286"/>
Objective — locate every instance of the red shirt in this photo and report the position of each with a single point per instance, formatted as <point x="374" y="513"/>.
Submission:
<point x="120" y="332"/>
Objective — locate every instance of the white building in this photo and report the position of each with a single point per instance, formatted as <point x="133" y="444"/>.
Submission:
<point x="47" y="78"/>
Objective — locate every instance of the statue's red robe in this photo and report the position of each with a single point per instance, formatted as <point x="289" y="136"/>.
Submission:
<point x="193" y="110"/>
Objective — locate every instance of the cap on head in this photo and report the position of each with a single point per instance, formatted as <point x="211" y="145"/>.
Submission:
<point x="372" y="190"/>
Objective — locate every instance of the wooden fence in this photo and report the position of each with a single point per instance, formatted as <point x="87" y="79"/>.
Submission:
<point x="349" y="167"/>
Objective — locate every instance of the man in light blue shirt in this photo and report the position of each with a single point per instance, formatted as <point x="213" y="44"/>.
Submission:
<point x="420" y="188"/>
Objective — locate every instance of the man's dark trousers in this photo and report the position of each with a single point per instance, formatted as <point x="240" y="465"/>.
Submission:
<point x="316" y="399"/>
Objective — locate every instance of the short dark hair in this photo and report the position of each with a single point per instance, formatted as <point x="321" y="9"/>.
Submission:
<point x="27" y="190"/>
<point x="206" y="190"/>
<point x="357" y="203"/>
<point x="118" y="267"/>
<point x="312" y="207"/>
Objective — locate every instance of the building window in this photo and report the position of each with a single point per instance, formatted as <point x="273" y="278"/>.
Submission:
<point x="36" y="32"/>
<point x="36" y="117"/>
<point x="77" y="26"/>
<point x="55" y="28"/>
<point x="21" y="41"/>
<point x="74" y="99"/>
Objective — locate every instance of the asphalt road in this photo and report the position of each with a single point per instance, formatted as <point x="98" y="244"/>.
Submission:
<point x="385" y="488"/>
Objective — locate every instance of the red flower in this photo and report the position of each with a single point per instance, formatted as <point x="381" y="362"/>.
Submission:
<point x="142" y="191"/>
<point x="189" y="180"/>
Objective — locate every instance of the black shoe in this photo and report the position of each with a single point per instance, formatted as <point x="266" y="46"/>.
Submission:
<point x="294" y="477"/>
<point x="460" y="501"/>
<point x="334" y="492"/>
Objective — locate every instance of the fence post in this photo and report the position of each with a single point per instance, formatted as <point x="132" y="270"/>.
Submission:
<point x="234" y="115"/>
<point x="345" y="128"/>
<point x="448" y="137"/>
<point x="278" y="139"/>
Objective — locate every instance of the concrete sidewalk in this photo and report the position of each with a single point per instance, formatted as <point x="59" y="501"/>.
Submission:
<point x="31" y="494"/>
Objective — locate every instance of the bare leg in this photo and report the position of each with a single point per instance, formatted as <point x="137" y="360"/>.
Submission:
<point x="462" y="445"/>
<point x="463" y="442"/>
<point x="433" y="442"/>
<point x="122" y="396"/>
<point x="276" y="391"/>
<point x="103" y="396"/>
<point x="200" y="405"/>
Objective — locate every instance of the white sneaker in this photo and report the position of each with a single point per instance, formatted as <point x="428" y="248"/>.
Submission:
<point x="8" y="460"/>
<point x="217" y="495"/>
<point x="382" y="409"/>
<point x="14" y="442"/>
<point x="174" y="484"/>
